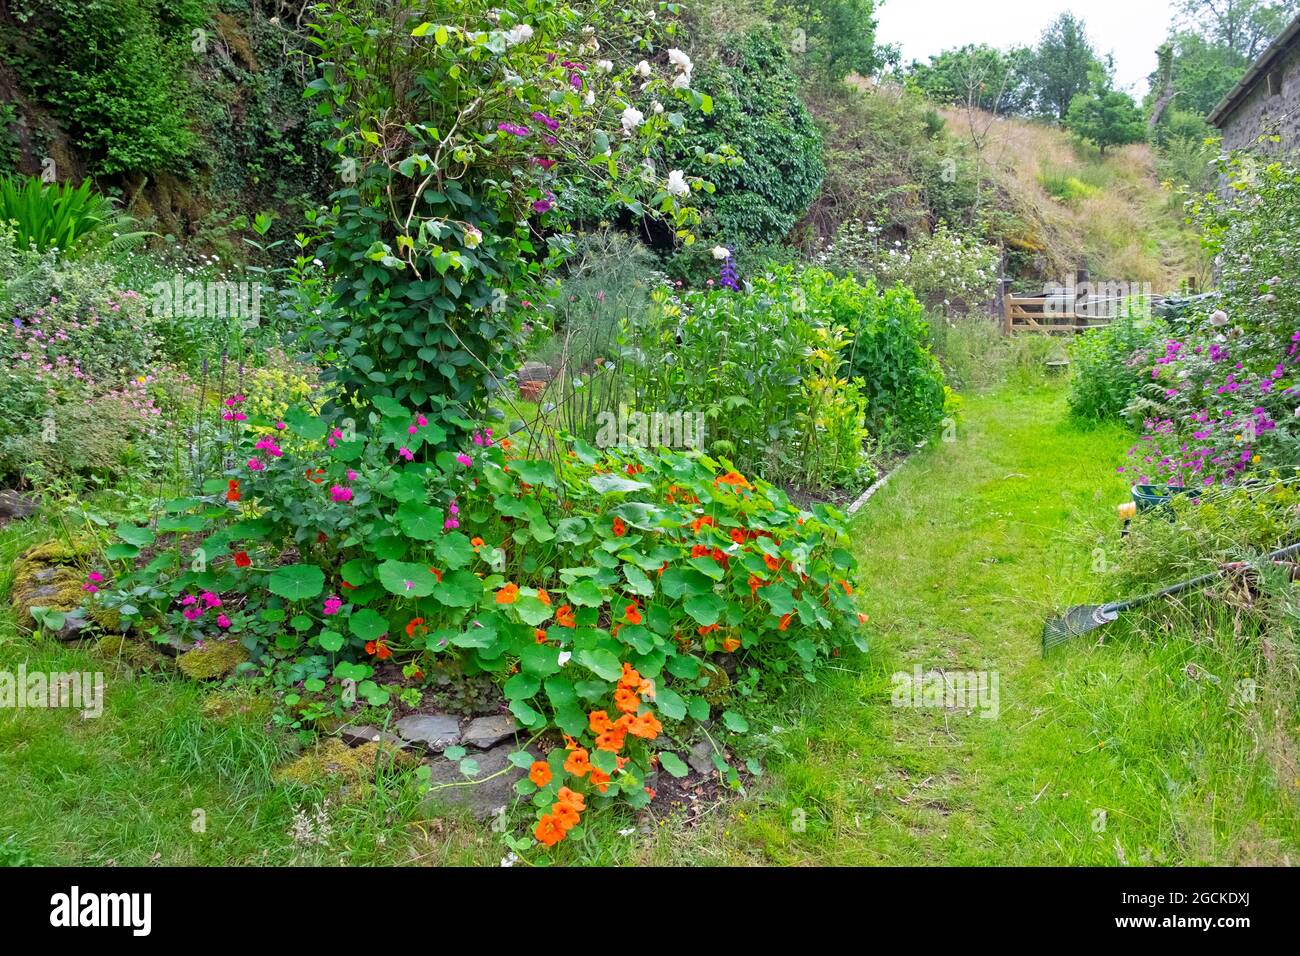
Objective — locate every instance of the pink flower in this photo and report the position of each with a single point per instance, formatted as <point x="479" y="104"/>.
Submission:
<point x="280" y="426"/>
<point x="210" y="599"/>
<point x="223" y="621"/>
<point x="465" y="460"/>
<point x="406" y="453"/>
<point x="255" y="464"/>
<point x="333" y="604"/>
<point x="421" y="420"/>
<point x="340" y="494"/>
<point x="352" y="475"/>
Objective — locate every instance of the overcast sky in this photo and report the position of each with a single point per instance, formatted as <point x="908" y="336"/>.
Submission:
<point x="1130" y="29"/>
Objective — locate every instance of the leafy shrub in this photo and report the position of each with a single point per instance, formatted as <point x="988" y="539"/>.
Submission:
<point x="1108" y="365"/>
<point x="597" y="590"/>
<point x="758" y="113"/>
<point x="758" y="365"/>
<point x="59" y="216"/>
<point x="449" y="182"/>
<point x="114" y="71"/>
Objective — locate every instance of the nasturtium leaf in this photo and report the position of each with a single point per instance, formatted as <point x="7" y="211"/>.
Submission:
<point x="638" y="581"/>
<point x="521" y="687"/>
<point x="329" y="641"/>
<point x="420" y="521"/>
<point x="297" y="582"/>
<point x="779" y="597"/>
<point x="735" y="722"/>
<point x="459" y="589"/>
<point x="673" y="764"/>
<point x="705" y="608"/>
<point x="532" y="611"/>
<point x="526" y="715"/>
<point x="605" y="760"/>
<point x="121" y="551"/>
<point x="454" y="551"/>
<point x="600" y="662"/>
<point x="184" y="524"/>
<point x="669" y="703"/>
<point x="684" y="666"/>
<point x="131" y="534"/>
<point x="535" y="472"/>
<point x="305" y="424"/>
<point x="407" y="579"/>
<point x="368" y="625"/>
<point x="540" y="659"/>
<point x="586" y="593"/>
<point x="698" y="708"/>
<point x="608" y="484"/>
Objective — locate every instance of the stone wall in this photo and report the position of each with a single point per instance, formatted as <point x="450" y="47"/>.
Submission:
<point x="1272" y="106"/>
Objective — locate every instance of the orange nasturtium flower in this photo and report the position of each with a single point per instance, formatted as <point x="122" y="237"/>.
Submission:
<point x="862" y="618"/>
<point x="631" y="614"/>
<point x="773" y="564"/>
<point x="548" y="831"/>
<point x="578" y="762"/>
<point x="539" y="636"/>
<point x="610" y="740"/>
<point x="543" y="597"/>
<point x="847" y="588"/>
<point x="700" y="522"/>
<point x="733" y="478"/>
<point x="785" y="621"/>
<point x="477" y="543"/>
<point x="508" y="594"/>
<point x="566" y="815"/>
<point x="599" y="721"/>
<point x="731" y="644"/>
<point x="755" y="582"/>
<point x="626" y="700"/>
<point x="620" y="528"/>
<point x="647" y="726"/>
<point x="599" y="779"/>
<point x="540" y="773"/>
<point x="414" y="624"/>
<point x="564" y="616"/>
<point x="232" y="490"/>
<point x="572" y="798"/>
<point x="630" y="677"/>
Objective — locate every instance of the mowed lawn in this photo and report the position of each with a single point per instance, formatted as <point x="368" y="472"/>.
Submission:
<point x="1100" y="755"/>
<point x="1104" y="755"/>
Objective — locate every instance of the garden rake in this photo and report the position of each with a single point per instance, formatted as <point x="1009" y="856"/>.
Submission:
<point x="1083" y="618"/>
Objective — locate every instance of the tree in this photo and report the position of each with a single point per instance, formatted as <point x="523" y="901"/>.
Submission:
<point x="843" y="36"/>
<point x="1107" y="118"/>
<point x="980" y="77"/>
<point x="1243" y="27"/>
<point x="1066" y="65"/>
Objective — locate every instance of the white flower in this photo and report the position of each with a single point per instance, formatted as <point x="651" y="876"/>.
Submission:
<point x="564" y="657"/>
<point x="472" y="237"/>
<point x="658" y="107"/>
<point x="628" y="832"/>
<point x="682" y="82"/>
<point x="509" y="859"/>
<point x="677" y="185"/>
<point x="721" y="252"/>
<point x="680" y="60"/>
<point x="605" y="66"/>
<point x="643" y="68"/>
<point x="590" y="98"/>
<point x="1219" y="318"/>
<point x="632" y="118"/>
<point x="519" y="34"/>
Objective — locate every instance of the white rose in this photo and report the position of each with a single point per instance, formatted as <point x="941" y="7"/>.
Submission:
<point x="677" y="185"/>
<point x="721" y="252"/>
<point x="605" y="66"/>
<point x="680" y="60"/>
<point x="632" y="118"/>
<point x="643" y="68"/>
<point x="683" y="82"/>
<point x="519" y="34"/>
<point x="1219" y="318"/>
<point x="659" y="107"/>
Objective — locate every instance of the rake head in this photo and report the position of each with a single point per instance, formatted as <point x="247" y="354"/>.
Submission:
<point x="1079" y="619"/>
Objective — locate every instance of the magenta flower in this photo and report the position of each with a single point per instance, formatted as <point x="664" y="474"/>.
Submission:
<point x="406" y="453"/>
<point x="340" y="494"/>
<point x="464" y="459"/>
<point x="255" y="464"/>
<point x="223" y="622"/>
<point x="333" y="604"/>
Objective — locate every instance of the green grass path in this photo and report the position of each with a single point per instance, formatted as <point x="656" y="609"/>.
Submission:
<point x="1099" y="755"/>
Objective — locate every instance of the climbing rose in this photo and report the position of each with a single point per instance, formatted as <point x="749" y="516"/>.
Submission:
<point x="677" y="185"/>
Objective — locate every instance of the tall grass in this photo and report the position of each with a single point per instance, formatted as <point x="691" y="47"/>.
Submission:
<point x="75" y="220"/>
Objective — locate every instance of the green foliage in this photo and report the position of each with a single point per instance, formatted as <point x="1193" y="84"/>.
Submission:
<point x="1108" y="365"/>
<point x="758" y="113"/>
<point x="10" y="145"/>
<point x="71" y="219"/>
<point x="1066" y="64"/>
<point x="979" y="76"/>
<point x="439" y="241"/>
<point x="839" y="37"/>
<point x="1108" y="118"/>
<point x="113" y="69"/>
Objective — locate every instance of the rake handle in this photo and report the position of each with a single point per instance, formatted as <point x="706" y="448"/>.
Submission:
<point x="1116" y="607"/>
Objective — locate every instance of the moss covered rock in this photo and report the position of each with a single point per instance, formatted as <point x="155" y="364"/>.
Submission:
<point x="234" y="705"/>
<point x="116" y="649"/>
<point x="51" y="575"/>
<point x="212" y="661"/>
<point x="333" y="765"/>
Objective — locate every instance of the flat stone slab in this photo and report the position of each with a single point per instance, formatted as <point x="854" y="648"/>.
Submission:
<point x="701" y="758"/>
<point x="485" y="732"/>
<point x="16" y="506"/>
<point x="481" y="799"/>
<point x="433" y="732"/>
<point x="356" y="736"/>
